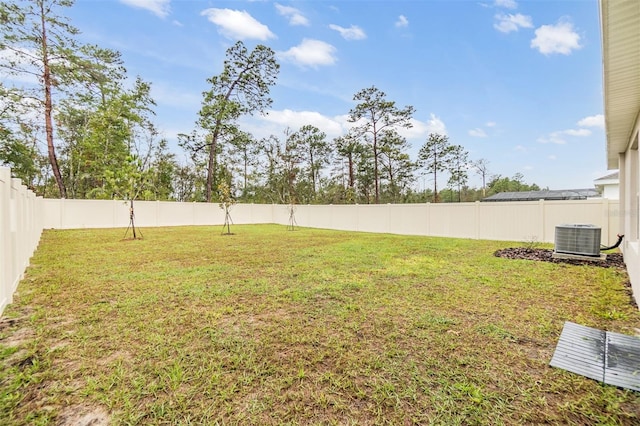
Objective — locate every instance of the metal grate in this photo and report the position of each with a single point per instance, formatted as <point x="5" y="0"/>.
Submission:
<point x="605" y="356"/>
<point x="578" y="239"/>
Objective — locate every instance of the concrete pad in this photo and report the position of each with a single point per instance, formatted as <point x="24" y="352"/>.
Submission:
<point x="600" y="258"/>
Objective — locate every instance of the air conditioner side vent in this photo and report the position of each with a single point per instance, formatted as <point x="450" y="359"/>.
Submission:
<point x="579" y="239"/>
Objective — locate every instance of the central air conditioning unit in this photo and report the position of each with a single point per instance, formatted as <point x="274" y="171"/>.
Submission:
<point x="578" y="239"/>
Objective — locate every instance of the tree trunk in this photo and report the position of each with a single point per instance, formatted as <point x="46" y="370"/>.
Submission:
<point x="375" y="169"/>
<point x="313" y="173"/>
<point x="212" y="163"/>
<point x="351" y="172"/>
<point x="484" y="186"/>
<point x="214" y="142"/>
<point x="435" y="186"/>
<point x="246" y="168"/>
<point x="48" y="109"/>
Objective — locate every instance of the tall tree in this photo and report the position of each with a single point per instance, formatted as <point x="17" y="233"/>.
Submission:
<point x="365" y="176"/>
<point x="161" y="173"/>
<point x="458" y="166"/>
<point x="20" y="155"/>
<point x="373" y="114"/>
<point x="38" y="43"/>
<point x="270" y="170"/>
<point x="433" y="157"/>
<point x="241" y="88"/>
<point x="100" y="128"/>
<point x="482" y="168"/>
<point x="504" y="184"/>
<point x="348" y="149"/>
<point x="187" y="182"/>
<point x="396" y="164"/>
<point x="312" y="144"/>
<point x="18" y="147"/>
<point x="243" y="153"/>
<point x="291" y="162"/>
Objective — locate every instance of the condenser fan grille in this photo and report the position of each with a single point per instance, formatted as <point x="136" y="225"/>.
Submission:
<point x="578" y="239"/>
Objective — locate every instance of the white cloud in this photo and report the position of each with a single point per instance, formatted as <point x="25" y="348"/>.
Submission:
<point x="237" y="24"/>
<point x="559" y="38"/>
<point x="275" y="122"/>
<point x="21" y="58"/>
<point x="578" y="132"/>
<point x="297" y="119"/>
<point x="295" y="16"/>
<point x="402" y="22"/>
<point x="165" y="94"/>
<point x="477" y="133"/>
<point x="491" y="124"/>
<point x="508" y="4"/>
<point x="310" y="53"/>
<point x="352" y="33"/>
<point x="419" y="130"/>
<point x="552" y="157"/>
<point x="160" y="8"/>
<point x="558" y="137"/>
<point x="508" y="23"/>
<point x="592" y="121"/>
<point x="436" y="125"/>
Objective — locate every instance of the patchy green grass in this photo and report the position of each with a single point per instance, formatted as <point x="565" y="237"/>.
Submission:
<point x="268" y="326"/>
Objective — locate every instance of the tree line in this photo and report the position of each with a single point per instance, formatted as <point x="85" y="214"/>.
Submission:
<point x="101" y="141"/>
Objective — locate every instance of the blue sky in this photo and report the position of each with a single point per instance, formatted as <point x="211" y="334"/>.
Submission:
<point x="518" y="83"/>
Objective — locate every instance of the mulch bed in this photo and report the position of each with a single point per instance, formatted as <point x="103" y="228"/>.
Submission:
<point x="614" y="260"/>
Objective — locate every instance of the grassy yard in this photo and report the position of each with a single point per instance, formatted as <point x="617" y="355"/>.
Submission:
<point x="269" y="326"/>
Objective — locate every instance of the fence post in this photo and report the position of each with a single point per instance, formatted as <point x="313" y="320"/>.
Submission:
<point x="541" y="212"/>
<point x="477" y="211"/>
<point x="21" y="222"/>
<point x="6" y="253"/>
<point x="18" y="232"/>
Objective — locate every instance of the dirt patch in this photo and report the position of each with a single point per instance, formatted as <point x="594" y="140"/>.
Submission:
<point x="82" y="415"/>
<point x="18" y="337"/>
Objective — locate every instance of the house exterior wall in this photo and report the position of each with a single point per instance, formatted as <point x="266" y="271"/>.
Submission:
<point x="620" y="32"/>
<point x="630" y="207"/>
<point x="611" y="191"/>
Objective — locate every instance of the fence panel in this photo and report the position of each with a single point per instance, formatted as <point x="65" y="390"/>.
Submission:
<point x="510" y="221"/>
<point x="409" y="219"/>
<point x="6" y="254"/>
<point x="21" y="223"/>
<point x="505" y="221"/>
<point x="23" y="216"/>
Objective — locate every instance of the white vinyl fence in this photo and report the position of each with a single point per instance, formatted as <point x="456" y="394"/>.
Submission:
<point x="23" y="216"/>
<point x="20" y="229"/>
<point x="529" y="221"/>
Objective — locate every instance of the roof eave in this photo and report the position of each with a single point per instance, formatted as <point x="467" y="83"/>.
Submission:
<point x="620" y="24"/>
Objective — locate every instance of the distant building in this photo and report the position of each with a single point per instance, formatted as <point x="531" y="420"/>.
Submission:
<point x="549" y="194"/>
<point x="609" y="185"/>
